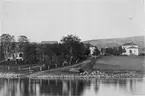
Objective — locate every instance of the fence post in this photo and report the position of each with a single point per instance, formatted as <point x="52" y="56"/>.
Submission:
<point x="56" y="65"/>
<point x="48" y="67"/>
<point x="18" y="68"/>
<point x="40" y="68"/>
<point x="29" y="68"/>
<point x="62" y="63"/>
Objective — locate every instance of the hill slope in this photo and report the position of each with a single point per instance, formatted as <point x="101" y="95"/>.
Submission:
<point x="112" y="42"/>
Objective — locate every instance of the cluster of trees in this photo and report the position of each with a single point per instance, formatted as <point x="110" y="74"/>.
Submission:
<point x="70" y="50"/>
<point x="9" y="45"/>
<point x="96" y="51"/>
<point x="116" y="51"/>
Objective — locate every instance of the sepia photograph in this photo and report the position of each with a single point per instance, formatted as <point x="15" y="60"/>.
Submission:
<point x="72" y="47"/>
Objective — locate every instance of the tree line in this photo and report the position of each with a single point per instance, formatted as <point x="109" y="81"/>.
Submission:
<point x="70" y="50"/>
<point x="116" y="51"/>
<point x="9" y="45"/>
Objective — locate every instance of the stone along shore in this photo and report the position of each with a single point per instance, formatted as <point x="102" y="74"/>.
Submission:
<point x="94" y="74"/>
<point x="55" y="75"/>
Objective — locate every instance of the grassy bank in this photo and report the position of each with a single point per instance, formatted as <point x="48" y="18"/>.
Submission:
<point x="111" y="65"/>
<point x="120" y="63"/>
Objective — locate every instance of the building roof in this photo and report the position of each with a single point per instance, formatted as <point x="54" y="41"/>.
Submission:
<point x="49" y="42"/>
<point x="126" y="44"/>
<point x="132" y="47"/>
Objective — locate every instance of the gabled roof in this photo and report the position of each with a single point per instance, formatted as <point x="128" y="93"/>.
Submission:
<point x="126" y="44"/>
<point x="49" y="42"/>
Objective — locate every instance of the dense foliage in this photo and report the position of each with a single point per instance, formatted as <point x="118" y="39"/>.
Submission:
<point x="8" y="45"/>
<point x="116" y="51"/>
<point x="70" y="51"/>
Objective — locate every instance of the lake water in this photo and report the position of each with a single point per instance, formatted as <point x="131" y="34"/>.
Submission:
<point x="92" y="87"/>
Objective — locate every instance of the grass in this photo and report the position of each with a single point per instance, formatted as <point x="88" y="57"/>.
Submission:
<point x="121" y="62"/>
<point x="109" y="64"/>
<point x="106" y="63"/>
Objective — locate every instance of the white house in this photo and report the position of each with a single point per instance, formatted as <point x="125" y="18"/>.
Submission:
<point x="92" y="49"/>
<point x="130" y="48"/>
<point x="16" y="56"/>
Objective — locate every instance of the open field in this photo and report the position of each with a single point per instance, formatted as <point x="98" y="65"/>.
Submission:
<point x="121" y="63"/>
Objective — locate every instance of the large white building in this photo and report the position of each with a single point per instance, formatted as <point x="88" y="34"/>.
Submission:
<point x="130" y="48"/>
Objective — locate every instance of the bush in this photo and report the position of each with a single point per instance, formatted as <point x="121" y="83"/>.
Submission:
<point x="141" y="54"/>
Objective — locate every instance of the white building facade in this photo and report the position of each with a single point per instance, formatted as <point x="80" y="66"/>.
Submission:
<point x="15" y="56"/>
<point x="130" y="48"/>
<point x="92" y="50"/>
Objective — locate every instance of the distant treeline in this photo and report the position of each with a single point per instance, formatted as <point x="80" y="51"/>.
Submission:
<point x="116" y="51"/>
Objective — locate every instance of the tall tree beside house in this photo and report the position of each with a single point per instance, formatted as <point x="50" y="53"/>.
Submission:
<point x="1" y="53"/>
<point x="86" y="49"/>
<point x="109" y="51"/>
<point x="115" y="51"/>
<point x="30" y="53"/>
<point x="103" y="51"/>
<point x="70" y="41"/>
<point x="120" y="50"/>
<point x="75" y="50"/>
<point x="22" y="41"/>
<point x="7" y="43"/>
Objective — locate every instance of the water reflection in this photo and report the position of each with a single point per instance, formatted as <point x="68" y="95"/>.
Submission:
<point x="33" y="87"/>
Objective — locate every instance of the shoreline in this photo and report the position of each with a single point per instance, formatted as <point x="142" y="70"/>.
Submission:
<point x="93" y="75"/>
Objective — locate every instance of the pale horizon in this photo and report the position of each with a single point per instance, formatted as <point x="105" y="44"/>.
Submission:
<point x="87" y="19"/>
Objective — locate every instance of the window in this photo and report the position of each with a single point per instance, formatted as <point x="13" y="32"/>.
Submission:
<point x="130" y="51"/>
<point x="20" y="55"/>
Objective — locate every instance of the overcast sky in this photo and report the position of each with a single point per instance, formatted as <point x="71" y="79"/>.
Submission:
<point x="88" y="19"/>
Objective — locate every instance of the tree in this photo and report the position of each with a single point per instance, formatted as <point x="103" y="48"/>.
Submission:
<point x="103" y="51"/>
<point x="22" y="41"/>
<point x="1" y="53"/>
<point x="70" y="42"/>
<point x="120" y="50"/>
<point x="30" y="55"/>
<point x="109" y="51"/>
<point x="6" y="42"/>
<point x="70" y="39"/>
<point x="115" y="52"/>
<point x="96" y="51"/>
<point x="75" y="50"/>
